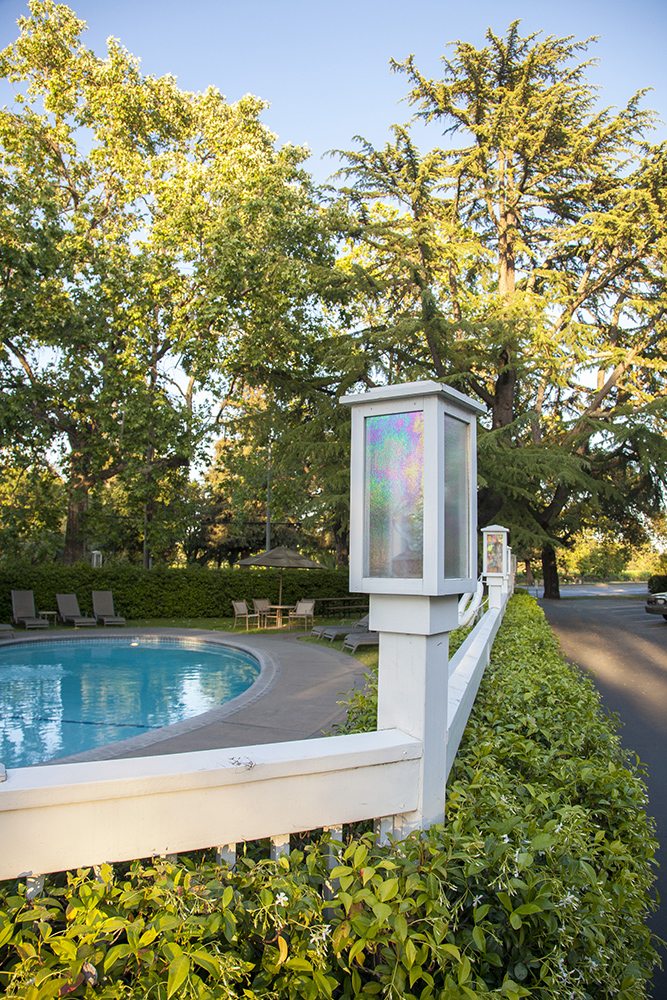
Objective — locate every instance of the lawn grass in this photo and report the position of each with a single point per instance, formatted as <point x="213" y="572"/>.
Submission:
<point x="224" y="625"/>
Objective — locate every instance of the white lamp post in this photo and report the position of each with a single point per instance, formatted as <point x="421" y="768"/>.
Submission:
<point x="495" y="562"/>
<point x="413" y="549"/>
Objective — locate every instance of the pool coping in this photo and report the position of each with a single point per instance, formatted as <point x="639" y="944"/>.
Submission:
<point x="296" y="696"/>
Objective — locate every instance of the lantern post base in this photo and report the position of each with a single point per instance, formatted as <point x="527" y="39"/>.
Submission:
<point x="412" y="691"/>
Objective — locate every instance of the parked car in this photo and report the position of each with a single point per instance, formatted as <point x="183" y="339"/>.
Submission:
<point x="657" y="604"/>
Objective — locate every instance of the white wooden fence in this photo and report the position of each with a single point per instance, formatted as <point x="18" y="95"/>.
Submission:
<point x="67" y="815"/>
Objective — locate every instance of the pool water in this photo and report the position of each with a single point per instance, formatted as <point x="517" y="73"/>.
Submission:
<point x="64" y="697"/>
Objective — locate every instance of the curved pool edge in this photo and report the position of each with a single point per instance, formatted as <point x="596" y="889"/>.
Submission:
<point x="268" y="668"/>
<point x="302" y="700"/>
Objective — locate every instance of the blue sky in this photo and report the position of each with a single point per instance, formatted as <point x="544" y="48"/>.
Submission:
<point x="324" y="66"/>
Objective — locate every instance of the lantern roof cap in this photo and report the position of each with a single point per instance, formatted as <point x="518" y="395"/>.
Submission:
<point x="404" y="390"/>
<point x="495" y="527"/>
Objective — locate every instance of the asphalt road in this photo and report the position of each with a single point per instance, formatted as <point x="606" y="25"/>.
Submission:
<point x="625" y="651"/>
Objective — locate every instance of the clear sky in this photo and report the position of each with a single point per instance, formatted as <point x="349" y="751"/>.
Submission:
<point x="324" y="66"/>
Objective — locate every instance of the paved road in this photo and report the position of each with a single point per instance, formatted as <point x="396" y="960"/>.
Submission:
<point x="625" y="650"/>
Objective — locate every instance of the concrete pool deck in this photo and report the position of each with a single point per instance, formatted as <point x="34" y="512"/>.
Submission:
<point x="295" y="698"/>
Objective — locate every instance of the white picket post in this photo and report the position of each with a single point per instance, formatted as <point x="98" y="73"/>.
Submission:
<point x="225" y="854"/>
<point x="280" y="846"/>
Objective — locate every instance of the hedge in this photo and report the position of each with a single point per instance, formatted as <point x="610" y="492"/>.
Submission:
<point x="537" y="886"/>
<point x="166" y="593"/>
<point x="657" y="583"/>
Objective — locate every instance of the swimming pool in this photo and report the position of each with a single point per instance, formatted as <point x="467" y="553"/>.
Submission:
<point x="63" y="697"/>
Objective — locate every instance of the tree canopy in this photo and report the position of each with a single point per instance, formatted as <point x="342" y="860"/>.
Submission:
<point x="524" y="263"/>
<point x="154" y="242"/>
<point x="170" y="273"/>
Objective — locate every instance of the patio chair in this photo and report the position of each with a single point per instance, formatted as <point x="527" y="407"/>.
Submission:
<point x="332" y="632"/>
<point x="23" y="610"/>
<point x="241" y="611"/>
<point x="356" y="639"/>
<point x="69" y="612"/>
<point x="305" y="610"/>
<point x="103" y="608"/>
<point x="262" y="607"/>
<point x="5" y="630"/>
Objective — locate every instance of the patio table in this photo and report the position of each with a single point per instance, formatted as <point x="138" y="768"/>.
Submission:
<point x="279" y="608"/>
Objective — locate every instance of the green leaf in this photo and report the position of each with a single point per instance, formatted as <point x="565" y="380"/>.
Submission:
<point x="382" y="912"/>
<point x="387" y="889"/>
<point x="179" y="969"/>
<point x="400" y="926"/>
<point x="451" y="949"/>
<point x="210" y="963"/>
<point x="114" y="954"/>
<point x="299" y="964"/>
<point x="479" y="937"/>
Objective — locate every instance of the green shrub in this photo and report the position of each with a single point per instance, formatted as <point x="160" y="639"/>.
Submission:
<point x="657" y="583"/>
<point x="537" y="885"/>
<point x="166" y="593"/>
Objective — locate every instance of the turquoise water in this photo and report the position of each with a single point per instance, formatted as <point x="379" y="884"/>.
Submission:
<point x="64" y="697"/>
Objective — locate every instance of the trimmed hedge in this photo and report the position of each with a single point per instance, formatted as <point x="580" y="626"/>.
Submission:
<point x="166" y="593"/>
<point x="537" y="886"/>
<point x="657" y="583"/>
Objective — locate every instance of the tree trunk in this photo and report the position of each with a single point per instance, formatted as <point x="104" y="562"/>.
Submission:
<point x="75" y="540"/>
<point x="550" y="573"/>
<point x="147" y="556"/>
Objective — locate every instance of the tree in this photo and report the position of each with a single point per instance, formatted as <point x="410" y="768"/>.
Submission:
<point x="154" y="241"/>
<point x="524" y="264"/>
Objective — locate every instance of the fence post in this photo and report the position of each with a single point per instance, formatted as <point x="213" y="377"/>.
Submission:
<point x="279" y="846"/>
<point x="412" y="692"/>
<point x="225" y="854"/>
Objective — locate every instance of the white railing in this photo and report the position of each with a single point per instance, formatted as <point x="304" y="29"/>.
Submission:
<point x="64" y="816"/>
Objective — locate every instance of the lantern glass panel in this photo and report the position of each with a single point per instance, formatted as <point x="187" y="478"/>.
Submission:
<point x="493" y="553"/>
<point x="457" y="497"/>
<point x="394" y="495"/>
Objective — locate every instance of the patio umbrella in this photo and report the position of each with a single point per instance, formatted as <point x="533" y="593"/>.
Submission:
<point x="281" y="558"/>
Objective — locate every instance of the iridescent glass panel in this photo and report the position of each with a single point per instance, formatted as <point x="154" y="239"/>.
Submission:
<point x="394" y="495"/>
<point x="457" y="498"/>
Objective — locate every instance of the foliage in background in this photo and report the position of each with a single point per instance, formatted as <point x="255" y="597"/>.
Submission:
<point x="657" y="583"/>
<point x="536" y="887"/>
<point x="167" y="593"/>
<point x="154" y="241"/>
<point x="169" y="273"/>
<point x="523" y="263"/>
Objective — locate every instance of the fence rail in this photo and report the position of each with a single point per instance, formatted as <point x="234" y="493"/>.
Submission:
<point x="64" y="816"/>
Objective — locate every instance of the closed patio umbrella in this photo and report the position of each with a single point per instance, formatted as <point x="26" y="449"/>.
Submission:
<point x="281" y="558"/>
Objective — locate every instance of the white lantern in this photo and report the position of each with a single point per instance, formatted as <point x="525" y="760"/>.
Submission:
<point x="413" y="523"/>
<point x="496" y="553"/>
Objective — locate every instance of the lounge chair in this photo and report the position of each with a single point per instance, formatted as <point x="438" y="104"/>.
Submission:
<point x="332" y="632"/>
<point x="23" y="610"/>
<point x="5" y="630"/>
<point x="356" y="639"/>
<point x="103" y="608"/>
<point x="241" y="611"/>
<point x="262" y="607"/>
<point x="70" y="614"/>
<point x="305" y="610"/>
